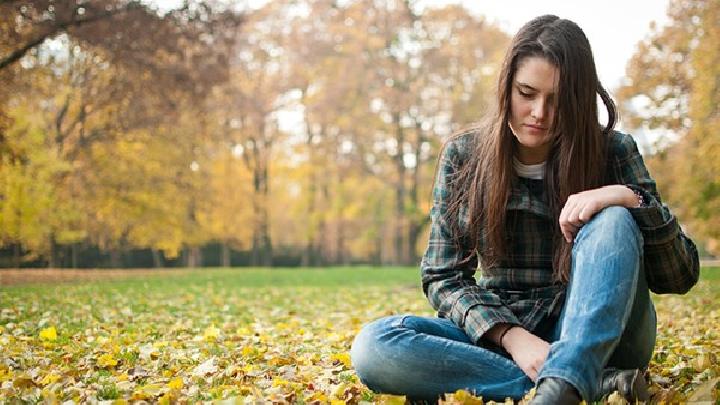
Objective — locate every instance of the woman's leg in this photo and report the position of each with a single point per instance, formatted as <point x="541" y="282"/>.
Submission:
<point x="608" y="318"/>
<point x="423" y="358"/>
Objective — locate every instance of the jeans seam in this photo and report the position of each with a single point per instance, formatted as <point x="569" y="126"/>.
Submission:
<point x="400" y="322"/>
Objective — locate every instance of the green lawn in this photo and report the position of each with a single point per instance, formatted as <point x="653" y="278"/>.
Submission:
<point x="274" y="334"/>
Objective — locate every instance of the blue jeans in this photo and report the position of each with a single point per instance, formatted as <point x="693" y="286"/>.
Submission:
<point x="608" y="320"/>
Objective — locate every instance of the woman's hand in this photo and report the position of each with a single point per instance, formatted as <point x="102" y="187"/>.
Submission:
<point x="581" y="207"/>
<point x="527" y="350"/>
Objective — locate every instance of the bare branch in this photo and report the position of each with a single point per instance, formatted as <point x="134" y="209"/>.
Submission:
<point x="17" y="54"/>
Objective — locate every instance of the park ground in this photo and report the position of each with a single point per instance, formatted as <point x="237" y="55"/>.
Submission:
<point x="259" y="335"/>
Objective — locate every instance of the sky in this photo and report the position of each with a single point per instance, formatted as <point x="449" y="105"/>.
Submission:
<point x="613" y="27"/>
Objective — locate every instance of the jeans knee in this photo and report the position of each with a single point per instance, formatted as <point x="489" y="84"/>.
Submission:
<point x="614" y="224"/>
<point x="366" y="352"/>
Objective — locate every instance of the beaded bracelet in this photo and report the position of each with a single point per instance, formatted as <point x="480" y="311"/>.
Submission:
<point x="641" y="199"/>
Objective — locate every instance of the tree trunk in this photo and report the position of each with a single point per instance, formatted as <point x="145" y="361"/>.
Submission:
<point x="225" y="255"/>
<point x="74" y="255"/>
<point x="262" y="245"/>
<point x="400" y="250"/>
<point x="52" y="255"/>
<point x="194" y="257"/>
<point x="115" y="258"/>
<point x="17" y="254"/>
<point x="158" y="261"/>
<point x="417" y="219"/>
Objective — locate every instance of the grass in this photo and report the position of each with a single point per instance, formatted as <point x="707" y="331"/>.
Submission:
<point x="710" y="274"/>
<point x="261" y="334"/>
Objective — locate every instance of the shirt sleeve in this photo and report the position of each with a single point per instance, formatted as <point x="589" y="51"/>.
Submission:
<point x="670" y="257"/>
<point x="448" y="271"/>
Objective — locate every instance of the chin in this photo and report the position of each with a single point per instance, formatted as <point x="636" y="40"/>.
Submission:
<point x="532" y="141"/>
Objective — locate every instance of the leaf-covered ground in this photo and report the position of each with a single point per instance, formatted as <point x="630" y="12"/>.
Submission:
<point x="251" y="336"/>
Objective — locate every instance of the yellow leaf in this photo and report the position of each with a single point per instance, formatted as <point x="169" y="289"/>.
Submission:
<point x="107" y="360"/>
<point x="616" y="399"/>
<point x="337" y="402"/>
<point x="211" y="333"/>
<point x="319" y="397"/>
<point x="702" y="362"/>
<point x="243" y="331"/>
<point x="247" y="351"/>
<point x="49" y="334"/>
<point x="49" y="379"/>
<point x="704" y="392"/>
<point x="176" y="384"/>
<point x="391" y="399"/>
<point x="343" y="358"/>
<point x="139" y="395"/>
<point x="467" y="398"/>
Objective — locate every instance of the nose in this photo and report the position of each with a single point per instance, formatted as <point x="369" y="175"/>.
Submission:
<point x="539" y="109"/>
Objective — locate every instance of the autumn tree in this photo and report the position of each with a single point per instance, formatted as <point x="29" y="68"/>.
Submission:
<point x="173" y="131"/>
<point x="674" y="89"/>
<point x="121" y="70"/>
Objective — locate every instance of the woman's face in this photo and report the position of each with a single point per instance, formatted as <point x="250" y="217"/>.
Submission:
<point x="532" y="108"/>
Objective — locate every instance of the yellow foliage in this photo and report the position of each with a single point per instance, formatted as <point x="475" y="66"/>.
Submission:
<point x="49" y="379"/>
<point x="343" y="358"/>
<point x="211" y="333"/>
<point x="49" y="334"/>
<point x="247" y="351"/>
<point x="176" y="384"/>
<point x="107" y="360"/>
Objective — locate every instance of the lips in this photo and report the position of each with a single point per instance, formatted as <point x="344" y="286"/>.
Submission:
<point x="535" y="129"/>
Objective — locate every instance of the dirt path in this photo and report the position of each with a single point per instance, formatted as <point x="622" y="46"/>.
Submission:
<point x="33" y="276"/>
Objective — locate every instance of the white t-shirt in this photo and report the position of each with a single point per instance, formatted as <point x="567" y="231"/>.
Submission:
<point x="536" y="172"/>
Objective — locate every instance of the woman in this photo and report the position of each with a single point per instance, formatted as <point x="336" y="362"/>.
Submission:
<point x="569" y="231"/>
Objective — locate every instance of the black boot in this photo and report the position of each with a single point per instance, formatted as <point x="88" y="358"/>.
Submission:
<point x="629" y="383"/>
<point x="555" y="391"/>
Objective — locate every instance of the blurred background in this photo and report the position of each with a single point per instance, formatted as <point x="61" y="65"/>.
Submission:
<point x="302" y="133"/>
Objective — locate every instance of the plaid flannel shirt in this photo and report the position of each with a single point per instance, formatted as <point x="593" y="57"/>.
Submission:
<point x="519" y="289"/>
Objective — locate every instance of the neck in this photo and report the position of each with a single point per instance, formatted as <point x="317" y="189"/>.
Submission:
<point x="532" y="156"/>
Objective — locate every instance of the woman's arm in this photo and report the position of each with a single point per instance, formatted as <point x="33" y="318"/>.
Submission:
<point x="448" y="271"/>
<point x="670" y="257"/>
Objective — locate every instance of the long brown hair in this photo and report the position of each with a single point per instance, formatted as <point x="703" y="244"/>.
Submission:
<point x="577" y="157"/>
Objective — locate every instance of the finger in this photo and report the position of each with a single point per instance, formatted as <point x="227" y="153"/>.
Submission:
<point x="574" y="215"/>
<point x="565" y="232"/>
<point x="569" y="231"/>
<point x="564" y="224"/>
<point x="588" y="211"/>
<point x="567" y="208"/>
